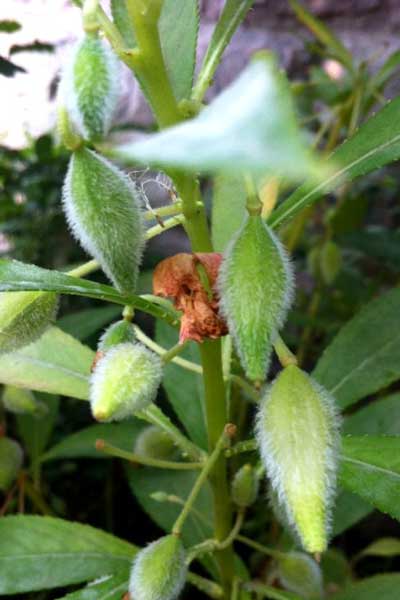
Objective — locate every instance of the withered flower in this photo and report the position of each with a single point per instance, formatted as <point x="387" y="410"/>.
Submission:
<point x="190" y="279"/>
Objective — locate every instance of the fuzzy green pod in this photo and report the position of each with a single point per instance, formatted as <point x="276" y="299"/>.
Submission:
<point x="245" y="486"/>
<point x="124" y="380"/>
<point x="89" y="87"/>
<point x="22" y="402"/>
<point x="10" y="462"/>
<point x="301" y="574"/>
<point x="152" y="442"/>
<point x="159" y="571"/>
<point x="255" y="284"/>
<point x="24" y="317"/>
<point x="117" y="333"/>
<point x="103" y="211"/>
<point x="298" y="436"/>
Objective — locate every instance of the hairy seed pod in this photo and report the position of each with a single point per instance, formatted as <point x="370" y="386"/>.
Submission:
<point x="152" y="442"/>
<point x="10" y="462"/>
<point x="124" y="380"/>
<point x="301" y="574"/>
<point x="255" y="285"/>
<point x="22" y="402"/>
<point x="89" y="87"/>
<point x="117" y="333"/>
<point x="103" y="211"/>
<point x="297" y="430"/>
<point x="159" y="571"/>
<point x="245" y="486"/>
<point x="24" y="317"/>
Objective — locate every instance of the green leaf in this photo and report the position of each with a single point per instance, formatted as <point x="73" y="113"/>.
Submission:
<point x="40" y="553"/>
<point x="376" y="143"/>
<point x="376" y="242"/>
<point x="8" y="26"/>
<point x="381" y="416"/>
<point x="381" y="77"/>
<point x="383" y="547"/>
<point x="349" y="509"/>
<point x="384" y="587"/>
<point x="145" y="481"/>
<point x="178" y="26"/>
<point x="365" y="355"/>
<point x="82" y="443"/>
<point x="370" y="467"/>
<point x="17" y="276"/>
<point x="323" y="34"/>
<point x="8" y="68"/>
<point x="56" y="363"/>
<point x="120" y="15"/>
<point x="36" y="432"/>
<point x="111" y="587"/>
<point x="35" y="46"/>
<point x="184" y="388"/>
<point x="232" y="15"/>
<point x="86" y="322"/>
<point x="228" y="209"/>
<point x="250" y="127"/>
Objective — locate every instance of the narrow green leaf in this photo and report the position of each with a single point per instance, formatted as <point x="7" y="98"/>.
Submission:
<point x="228" y="209"/>
<point x="370" y="467"/>
<point x="232" y="15"/>
<point x="325" y="35"/>
<point x="381" y="77"/>
<point x="376" y="143"/>
<point x="381" y="416"/>
<point x="17" y="276"/>
<point x="178" y="26"/>
<point x="112" y="587"/>
<point x="120" y="15"/>
<point x="36" y="432"/>
<point x="250" y="127"/>
<point x="84" y="323"/>
<point x="39" y="553"/>
<point x="82" y="443"/>
<point x="384" y="587"/>
<point x="56" y="363"/>
<point x="383" y="547"/>
<point x="184" y="388"/>
<point x="9" y="26"/>
<point x="351" y="370"/>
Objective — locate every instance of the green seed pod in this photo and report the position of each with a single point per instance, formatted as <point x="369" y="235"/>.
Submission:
<point x="301" y="574"/>
<point x="159" y="571"/>
<point x="152" y="442"/>
<point x="330" y="262"/>
<point x="245" y="486"/>
<point x="24" y="317"/>
<point x="22" y="402"/>
<point x="10" y="462"/>
<point x="103" y="210"/>
<point x="255" y="285"/>
<point x="297" y="430"/>
<point x="89" y="87"/>
<point x="124" y="380"/>
<point x="117" y="333"/>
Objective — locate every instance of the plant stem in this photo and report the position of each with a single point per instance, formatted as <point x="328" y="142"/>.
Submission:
<point x="259" y="547"/>
<point x="212" y="589"/>
<point x="168" y="224"/>
<point x="240" y="447"/>
<point x="207" y="468"/>
<point x="107" y="448"/>
<point x="286" y="357"/>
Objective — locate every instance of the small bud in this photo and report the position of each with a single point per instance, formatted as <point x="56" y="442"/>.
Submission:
<point x="103" y="210"/>
<point x="245" y="486"/>
<point x="255" y="285"/>
<point x="22" y="402"/>
<point x="24" y="317"/>
<point x="10" y="462"/>
<point x="89" y="87"/>
<point x="159" y="496"/>
<point x="330" y="262"/>
<point x="297" y="430"/>
<point x="301" y="574"/>
<point x="152" y="442"/>
<point x="124" y="381"/>
<point x="117" y="333"/>
<point x="159" y="571"/>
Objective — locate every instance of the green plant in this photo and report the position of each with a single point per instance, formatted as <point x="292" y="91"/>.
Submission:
<point x="199" y="492"/>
